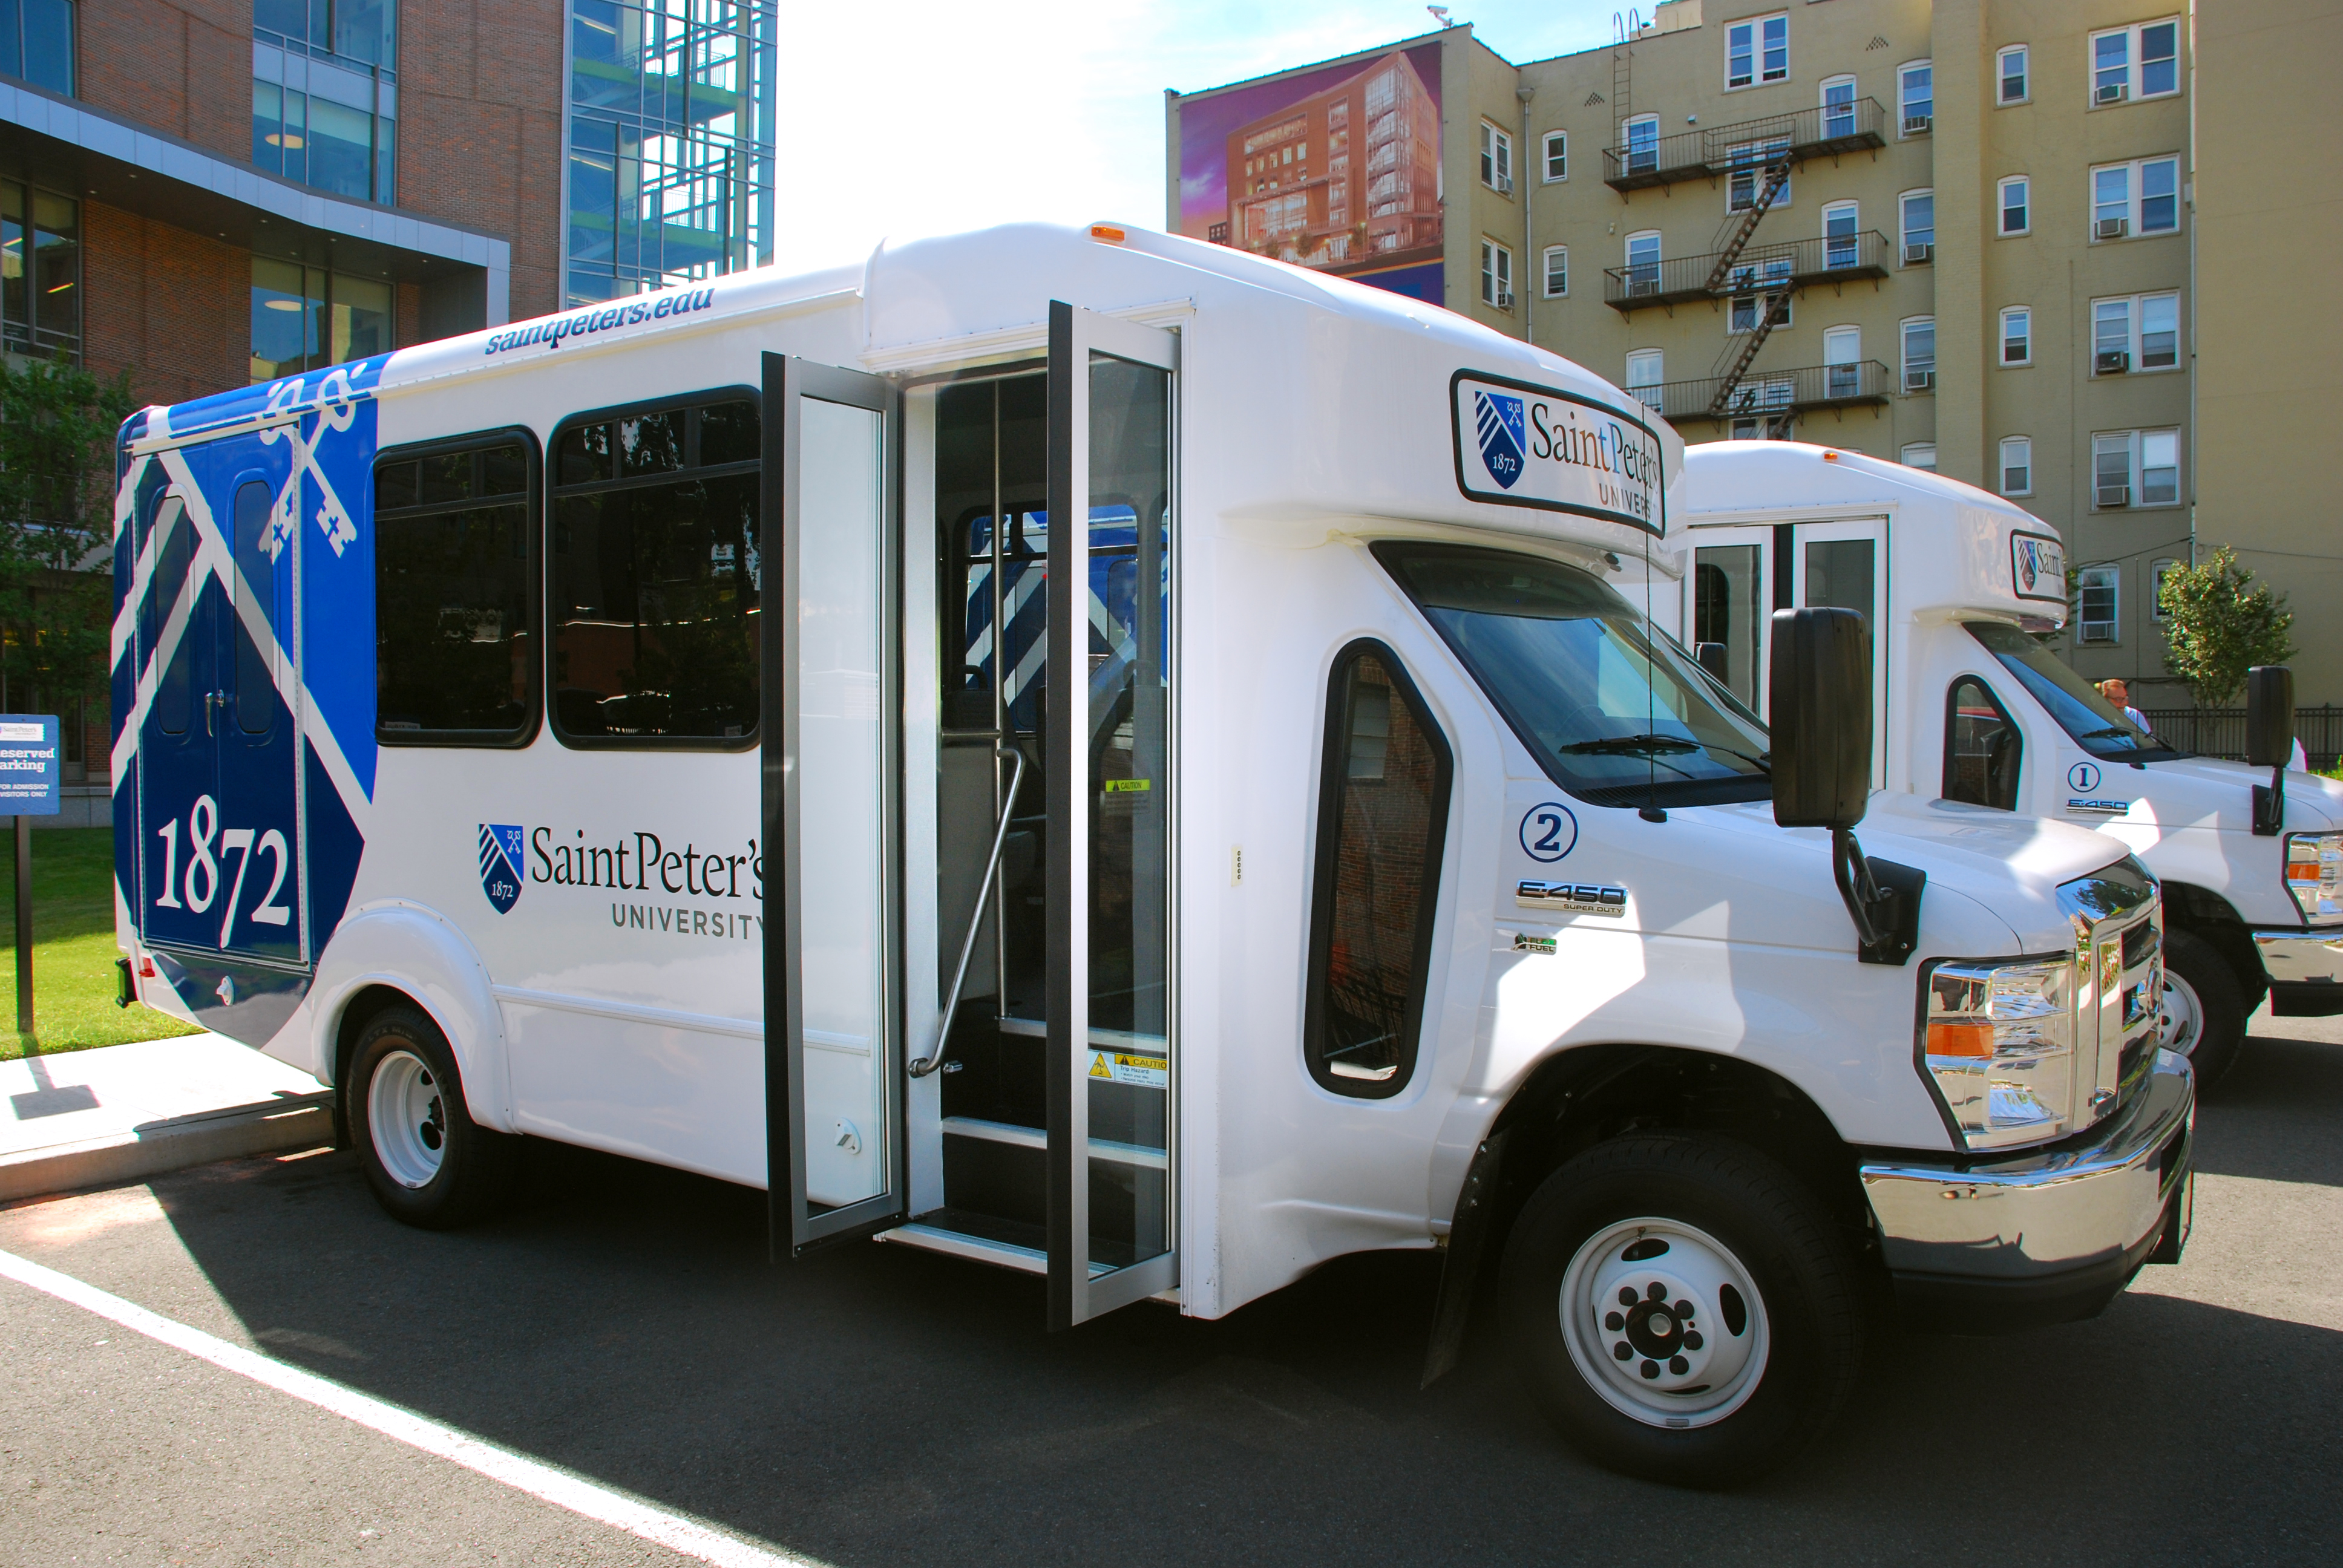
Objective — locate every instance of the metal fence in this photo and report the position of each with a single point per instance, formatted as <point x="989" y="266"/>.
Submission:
<point x="1760" y="268"/>
<point x="2221" y="731"/>
<point x="1760" y="394"/>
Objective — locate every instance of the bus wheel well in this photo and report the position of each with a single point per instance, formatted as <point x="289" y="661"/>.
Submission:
<point x="1580" y="1098"/>
<point x="356" y="1013"/>
<point x="2208" y="916"/>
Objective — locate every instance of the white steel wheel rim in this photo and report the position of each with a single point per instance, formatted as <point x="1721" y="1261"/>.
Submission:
<point x="2180" y="1016"/>
<point x="407" y="1119"/>
<point x="1685" y="1368"/>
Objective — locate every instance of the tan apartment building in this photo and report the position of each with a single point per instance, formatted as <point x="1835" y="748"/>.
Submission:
<point x="1959" y="235"/>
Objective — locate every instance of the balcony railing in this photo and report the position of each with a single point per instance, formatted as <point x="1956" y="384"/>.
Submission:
<point x="1713" y="152"/>
<point x="1760" y="269"/>
<point x="1761" y="394"/>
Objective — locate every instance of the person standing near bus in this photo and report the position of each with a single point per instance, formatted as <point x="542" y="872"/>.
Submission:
<point x="2119" y="696"/>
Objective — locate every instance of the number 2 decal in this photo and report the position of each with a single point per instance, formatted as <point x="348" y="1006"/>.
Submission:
<point x="205" y="873"/>
<point x="1548" y="833"/>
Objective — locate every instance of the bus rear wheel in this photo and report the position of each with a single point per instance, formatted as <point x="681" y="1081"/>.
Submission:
<point x="1683" y="1310"/>
<point x="430" y="1163"/>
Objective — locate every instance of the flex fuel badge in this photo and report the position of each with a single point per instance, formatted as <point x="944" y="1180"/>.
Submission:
<point x="1121" y="1067"/>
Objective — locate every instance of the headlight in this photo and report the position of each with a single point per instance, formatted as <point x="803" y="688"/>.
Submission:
<point x="1998" y="1045"/>
<point x="2314" y="875"/>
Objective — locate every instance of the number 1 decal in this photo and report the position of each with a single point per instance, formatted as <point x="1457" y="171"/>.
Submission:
<point x="169" y="833"/>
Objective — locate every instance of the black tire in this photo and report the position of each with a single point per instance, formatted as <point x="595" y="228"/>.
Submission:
<point x="1808" y="1327"/>
<point x="2220" y="1005"/>
<point x="452" y="1171"/>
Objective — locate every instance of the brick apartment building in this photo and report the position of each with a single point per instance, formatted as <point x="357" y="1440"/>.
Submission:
<point x="210" y="193"/>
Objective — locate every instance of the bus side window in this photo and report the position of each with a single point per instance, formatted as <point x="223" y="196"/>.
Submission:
<point x="1983" y="748"/>
<point x="657" y="566"/>
<point x="455" y="592"/>
<point x="1382" y="816"/>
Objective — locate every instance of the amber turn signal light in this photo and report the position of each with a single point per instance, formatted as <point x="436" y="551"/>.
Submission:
<point x="1972" y="1039"/>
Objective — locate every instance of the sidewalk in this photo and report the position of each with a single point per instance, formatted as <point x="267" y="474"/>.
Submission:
<point x="120" y="1112"/>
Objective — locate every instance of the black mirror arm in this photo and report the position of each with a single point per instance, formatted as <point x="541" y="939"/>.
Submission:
<point x="1881" y="898"/>
<point x="2269" y="804"/>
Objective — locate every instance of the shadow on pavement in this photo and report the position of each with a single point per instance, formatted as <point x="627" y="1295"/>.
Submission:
<point x="877" y="1405"/>
<point x="2279" y="1114"/>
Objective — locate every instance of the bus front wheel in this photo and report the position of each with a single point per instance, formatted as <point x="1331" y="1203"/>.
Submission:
<point x="2202" y="1012"/>
<point x="428" y="1163"/>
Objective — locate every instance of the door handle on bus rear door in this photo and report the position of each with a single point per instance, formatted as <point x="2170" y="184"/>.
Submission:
<point x="934" y="1059"/>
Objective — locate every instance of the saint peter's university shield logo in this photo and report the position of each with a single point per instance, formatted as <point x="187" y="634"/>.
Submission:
<point x="1505" y="436"/>
<point x="500" y="858"/>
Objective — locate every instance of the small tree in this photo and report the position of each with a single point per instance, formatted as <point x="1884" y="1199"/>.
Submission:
<point x="57" y="424"/>
<point x="2216" y="627"/>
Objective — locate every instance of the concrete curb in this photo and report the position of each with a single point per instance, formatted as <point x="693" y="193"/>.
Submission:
<point x="293" y="1122"/>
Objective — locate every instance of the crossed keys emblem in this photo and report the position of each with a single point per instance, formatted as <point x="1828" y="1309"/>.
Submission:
<point x="336" y="410"/>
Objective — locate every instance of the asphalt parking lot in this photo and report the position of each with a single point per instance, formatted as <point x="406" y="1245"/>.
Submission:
<point x="879" y="1405"/>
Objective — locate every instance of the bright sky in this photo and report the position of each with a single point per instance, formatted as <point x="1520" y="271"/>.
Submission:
<point x="920" y="117"/>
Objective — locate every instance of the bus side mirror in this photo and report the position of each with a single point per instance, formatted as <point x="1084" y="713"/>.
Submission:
<point x="1711" y="658"/>
<point x="1819" y="694"/>
<point x="2269" y="741"/>
<point x="1819" y="706"/>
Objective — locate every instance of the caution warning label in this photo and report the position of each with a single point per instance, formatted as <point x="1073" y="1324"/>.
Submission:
<point x="1121" y="1067"/>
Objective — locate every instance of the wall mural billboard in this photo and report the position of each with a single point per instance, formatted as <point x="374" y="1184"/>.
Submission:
<point x="1336" y="169"/>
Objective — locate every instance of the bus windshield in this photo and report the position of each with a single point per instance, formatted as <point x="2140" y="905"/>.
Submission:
<point x="2097" y="726"/>
<point x="1615" y="715"/>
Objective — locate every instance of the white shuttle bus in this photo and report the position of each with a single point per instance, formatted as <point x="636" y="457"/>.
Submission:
<point x="1974" y="707"/>
<point x="1314" y="852"/>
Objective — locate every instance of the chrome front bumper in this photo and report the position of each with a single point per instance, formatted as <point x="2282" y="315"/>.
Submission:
<point x="2049" y="1235"/>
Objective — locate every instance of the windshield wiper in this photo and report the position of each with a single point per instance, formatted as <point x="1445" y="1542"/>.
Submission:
<point x="1630" y="745"/>
<point x="2120" y="732"/>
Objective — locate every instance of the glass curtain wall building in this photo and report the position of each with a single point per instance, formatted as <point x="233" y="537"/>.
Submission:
<point x="669" y="143"/>
<point x="325" y="95"/>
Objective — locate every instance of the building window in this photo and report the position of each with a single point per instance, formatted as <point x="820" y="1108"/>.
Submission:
<point x="2017" y="336"/>
<point x="2152" y="49"/>
<point x="1983" y="750"/>
<point x="455" y="552"/>
<point x="670" y="143"/>
<point x="1643" y="262"/>
<point x="1751" y="163"/>
<point x="1641" y="137"/>
<point x="2015" y="211"/>
<point x="1842" y="246"/>
<point x="1919" y="336"/>
<point x="1757" y="51"/>
<point x="2135" y="468"/>
<point x="1838" y="107"/>
<point x="2097" y="590"/>
<point x="1647" y="373"/>
<point x="2140" y="198"/>
<point x="1557" y="156"/>
<point x="2158" y="572"/>
<point x="40" y="272"/>
<point x="1759" y="287"/>
<point x="2137" y="333"/>
<point x="1915" y="95"/>
<point x="1496" y="158"/>
<point x="1557" y="271"/>
<point x="655" y="575"/>
<point x="305" y="319"/>
<point x="1921" y="454"/>
<point x="2013" y="74"/>
<point x="2017" y="466"/>
<point x="1496" y="275"/>
<point x="1383" y="819"/>
<point x="1842" y="362"/>
<point x="325" y="95"/>
<point x="36" y="43"/>
<point x="1917" y="211"/>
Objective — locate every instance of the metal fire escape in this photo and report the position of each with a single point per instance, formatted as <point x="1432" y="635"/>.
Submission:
<point x="1724" y="279"/>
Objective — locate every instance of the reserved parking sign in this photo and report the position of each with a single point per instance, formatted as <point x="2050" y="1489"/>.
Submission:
<point x="28" y="764"/>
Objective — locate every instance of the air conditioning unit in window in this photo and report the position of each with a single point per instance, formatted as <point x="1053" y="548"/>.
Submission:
<point x="2112" y="93"/>
<point x="2111" y="362"/>
<point x="1920" y="380"/>
<point x="1919" y="255"/>
<point x="1503" y="185"/>
<point x="1505" y="299"/>
<point x="2114" y="496"/>
<point x="2099" y="631"/>
<point x="2111" y="229"/>
<point x="1918" y="124"/>
<point x="1636" y="286"/>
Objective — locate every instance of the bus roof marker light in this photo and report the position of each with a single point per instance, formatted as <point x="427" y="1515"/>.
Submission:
<point x="1106" y="232"/>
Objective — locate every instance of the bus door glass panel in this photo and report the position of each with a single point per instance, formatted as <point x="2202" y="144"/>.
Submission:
<point x="1838" y="567"/>
<point x="1731" y="609"/>
<point x="1109" y="1000"/>
<point x="220" y="835"/>
<point x="840" y="1104"/>
<point x="1984" y="753"/>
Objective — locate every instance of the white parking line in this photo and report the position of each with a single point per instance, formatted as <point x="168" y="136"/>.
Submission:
<point x="539" y="1480"/>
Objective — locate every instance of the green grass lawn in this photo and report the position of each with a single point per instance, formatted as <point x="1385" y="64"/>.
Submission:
<point x="74" y="980"/>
